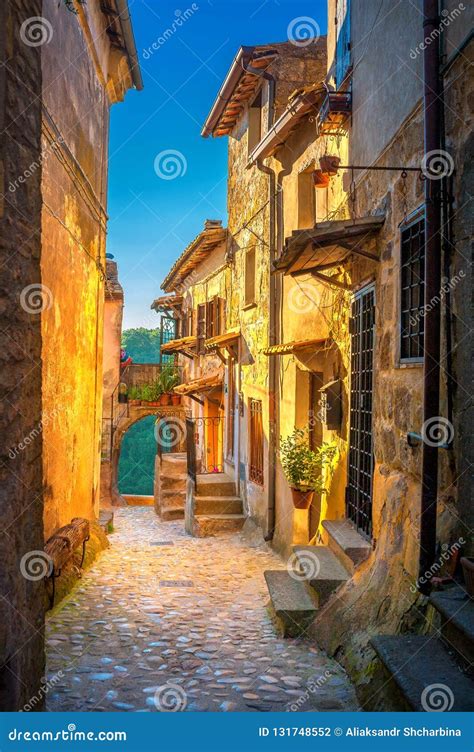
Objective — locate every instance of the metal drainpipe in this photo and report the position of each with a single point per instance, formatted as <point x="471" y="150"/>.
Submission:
<point x="272" y="380"/>
<point x="431" y="367"/>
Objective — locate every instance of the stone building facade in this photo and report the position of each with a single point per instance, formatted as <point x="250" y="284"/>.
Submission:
<point x="63" y="71"/>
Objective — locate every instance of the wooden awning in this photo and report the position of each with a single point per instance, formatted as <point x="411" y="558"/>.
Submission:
<point x="179" y="345"/>
<point x="303" y="344"/>
<point x="167" y="303"/>
<point x="329" y="244"/>
<point x="205" y="383"/>
<point x="223" y="340"/>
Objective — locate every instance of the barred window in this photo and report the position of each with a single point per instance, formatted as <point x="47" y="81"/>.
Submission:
<point x="256" y="442"/>
<point x="412" y="283"/>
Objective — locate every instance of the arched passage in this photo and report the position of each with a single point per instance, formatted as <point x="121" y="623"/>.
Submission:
<point x="136" y="464"/>
<point x="133" y="415"/>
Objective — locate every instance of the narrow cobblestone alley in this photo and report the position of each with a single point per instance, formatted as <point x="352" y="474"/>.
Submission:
<point x="164" y="621"/>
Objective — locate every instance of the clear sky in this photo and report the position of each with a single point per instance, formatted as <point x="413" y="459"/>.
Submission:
<point x="153" y="217"/>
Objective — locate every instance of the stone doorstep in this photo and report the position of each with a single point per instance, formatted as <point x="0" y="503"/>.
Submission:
<point x="329" y="572"/>
<point x="214" y="484"/>
<point x="204" y="525"/>
<point x="175" y="481"/>
<point x="134" y="500"/>
<point x="415" y="662"/>
<point x="349" y="546"/>
<point x="217" y="505"/>
<point x="291" y="603"/>
<point x="172" y="513"/>
<point x="456" y="610"/>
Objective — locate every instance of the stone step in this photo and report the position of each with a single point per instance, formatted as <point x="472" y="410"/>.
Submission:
<point x="173" y="482"/>
<point x="172" y="513"/>
<point x="349" y="546"/>
<point x="215" y="484"/>
<point x="172" y="499"/>
<point x="218" y="505"/>
<point x="324" y="570"/>
<point x="291" y="603"/>
<point x="423" y="673"/>
<point x="204" y="525"/>
<point x="135" y="500"/>
<point x="456" y="610"/>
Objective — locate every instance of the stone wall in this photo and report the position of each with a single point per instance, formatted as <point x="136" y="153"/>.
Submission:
<point x="21" y="501"/>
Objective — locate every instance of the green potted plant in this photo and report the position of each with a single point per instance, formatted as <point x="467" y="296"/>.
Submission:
<point x="146" y="394"/>
<point x="168" y="380"/>
<point x="155" y="393"/>
<point x="133" y="396"/>
<point x="303" y="467"/>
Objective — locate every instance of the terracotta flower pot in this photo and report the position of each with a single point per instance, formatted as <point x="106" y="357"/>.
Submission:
<point x="329" y="164"/>
<point x="165" y="400"/>
<point x="302" y="499"/>
<point x="133" y="402"/>
<point x="320" y="179"/>
<point x="467" y="563"/>
<point x="175" y="399"/>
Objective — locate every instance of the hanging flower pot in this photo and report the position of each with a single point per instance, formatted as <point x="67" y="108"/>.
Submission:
<point x="302" y="499"/>
<point x="467" y="563"/>
<point x="320" y="179"/>
<point x="329" y="164"/>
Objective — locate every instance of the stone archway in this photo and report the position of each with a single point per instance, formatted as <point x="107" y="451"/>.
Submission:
<point x="133" y="415"/>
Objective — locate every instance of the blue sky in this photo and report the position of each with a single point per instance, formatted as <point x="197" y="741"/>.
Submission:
<point x="152" y="218"/>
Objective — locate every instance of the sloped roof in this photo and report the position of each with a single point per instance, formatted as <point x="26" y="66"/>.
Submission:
<point x="202" y="245"/>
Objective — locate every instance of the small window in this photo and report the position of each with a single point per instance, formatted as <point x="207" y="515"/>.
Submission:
<point x="256" y="442"/>
<point x="255" y="123"/>
<point x="306" y="200"/>
<point x="343" y="40"/>
<point x="250" y="276"/>
<point x="412" y="285"/>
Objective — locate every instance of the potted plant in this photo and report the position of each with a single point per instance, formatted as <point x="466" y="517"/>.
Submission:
<point x="155" y="393"/>
<point x="168" y="380"/>
<point x="303" y="467"/>
<point x="133" y="396"/>
<point x="146" y="394"/>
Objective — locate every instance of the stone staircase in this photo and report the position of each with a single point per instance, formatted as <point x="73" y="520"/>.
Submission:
<point x="432" y="671"/>
<point x="215" y="507"/>
<point x="316" y="573"/>
<point x="170" y="495"/>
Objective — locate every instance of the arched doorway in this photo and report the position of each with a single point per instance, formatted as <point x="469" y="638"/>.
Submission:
<point x="136" y="465"/>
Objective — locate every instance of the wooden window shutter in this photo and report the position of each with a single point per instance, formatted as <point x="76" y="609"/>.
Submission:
<point x="220" y="326"/>
<point x="343" y="40"/>
<point x="201" y="327"/>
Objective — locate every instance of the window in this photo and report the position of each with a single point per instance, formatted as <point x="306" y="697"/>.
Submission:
<point x="250" y="277"/>
<point x="255" y="123"/>
<point x="306" y="200"/>
<point x="256" y="442"/>
<point x="343" y="40"/>
<point x="210" y="321"/>
<point x="412" y="284"/>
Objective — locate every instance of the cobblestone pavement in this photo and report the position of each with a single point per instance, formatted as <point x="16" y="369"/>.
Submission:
<point x="181" y="626"/>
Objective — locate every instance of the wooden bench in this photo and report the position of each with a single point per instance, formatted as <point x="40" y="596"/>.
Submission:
<point x="61" y="545"/>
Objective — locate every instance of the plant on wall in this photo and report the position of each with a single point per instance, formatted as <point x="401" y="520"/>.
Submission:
<point x="168" y="378"/>
<point x="304" y="468"/>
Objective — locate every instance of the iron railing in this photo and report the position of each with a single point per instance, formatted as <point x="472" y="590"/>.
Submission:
<point x="206" y="432"/>
<point x="191" y="449"/>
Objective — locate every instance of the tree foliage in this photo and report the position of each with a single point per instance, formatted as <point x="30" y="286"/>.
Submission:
<point x="143" y="345"/>
<point x="137" y="458"/>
